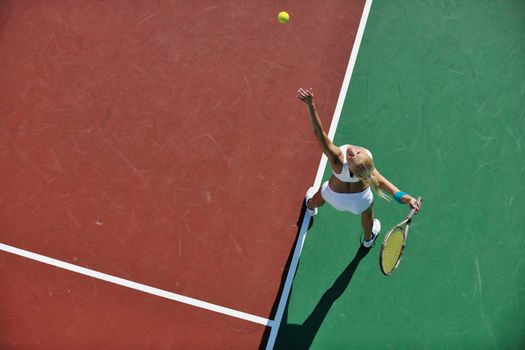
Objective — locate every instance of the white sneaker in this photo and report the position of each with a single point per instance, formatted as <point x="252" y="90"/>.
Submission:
<point x="376" y="228"/>
<point x="309" y="194"/>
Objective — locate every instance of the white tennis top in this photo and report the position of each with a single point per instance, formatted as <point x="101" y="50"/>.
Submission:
<point x="346" y="175"/>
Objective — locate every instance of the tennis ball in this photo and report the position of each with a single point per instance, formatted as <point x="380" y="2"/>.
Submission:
<point x="283" y="17"/>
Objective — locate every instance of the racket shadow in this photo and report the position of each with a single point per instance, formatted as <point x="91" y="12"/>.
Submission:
<point x="293" y="336"/>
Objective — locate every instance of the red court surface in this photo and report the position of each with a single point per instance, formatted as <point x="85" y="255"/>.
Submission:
<point x="160" y="142"/>
<point x="62" y="310"/>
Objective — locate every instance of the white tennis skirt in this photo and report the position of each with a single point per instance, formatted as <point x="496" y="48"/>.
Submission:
<point x="356" y="203"/>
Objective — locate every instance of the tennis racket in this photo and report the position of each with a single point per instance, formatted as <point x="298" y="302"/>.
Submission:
<point x="394" y="244"/>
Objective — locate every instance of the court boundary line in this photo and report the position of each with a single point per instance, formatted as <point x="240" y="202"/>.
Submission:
<point x="136" y="286"/>
<point x="318" y="178"/>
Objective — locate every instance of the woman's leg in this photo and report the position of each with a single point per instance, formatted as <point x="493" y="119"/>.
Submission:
<point x="316" y="201"/>
<point x="367" y="221"/>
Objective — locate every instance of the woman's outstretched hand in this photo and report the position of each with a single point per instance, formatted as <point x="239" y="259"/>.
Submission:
<point x="307" y="96"/>
<point x="414" y="204"/>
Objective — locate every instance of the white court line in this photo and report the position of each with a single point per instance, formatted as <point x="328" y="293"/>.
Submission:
<point x="306" y="220"/>
<point x="136" y="286"/>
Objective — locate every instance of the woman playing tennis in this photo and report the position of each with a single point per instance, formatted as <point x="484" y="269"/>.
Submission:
<point x="348" y="189"/>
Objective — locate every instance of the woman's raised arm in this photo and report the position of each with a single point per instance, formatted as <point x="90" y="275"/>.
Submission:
<point x="329" y="149"/>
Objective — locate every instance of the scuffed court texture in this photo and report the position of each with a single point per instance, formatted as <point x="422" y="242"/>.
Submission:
<point x="162" y="142"/>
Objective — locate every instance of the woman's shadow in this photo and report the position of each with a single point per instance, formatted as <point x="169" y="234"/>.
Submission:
<point x="293" y="336"/>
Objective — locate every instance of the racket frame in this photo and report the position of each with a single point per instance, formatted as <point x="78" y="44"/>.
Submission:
<point x="407" y="221"/>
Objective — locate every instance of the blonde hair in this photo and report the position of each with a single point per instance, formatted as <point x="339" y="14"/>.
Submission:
<point x="364" y="166"/>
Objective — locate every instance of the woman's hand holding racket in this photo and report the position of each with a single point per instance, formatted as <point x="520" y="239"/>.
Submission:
<point x="415" y="204"/>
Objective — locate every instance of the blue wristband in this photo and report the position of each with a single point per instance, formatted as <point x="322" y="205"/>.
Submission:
<point x="398" y="196"/>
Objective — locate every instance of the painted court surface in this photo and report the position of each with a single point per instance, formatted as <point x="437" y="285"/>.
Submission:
<point x="161" y="145"/>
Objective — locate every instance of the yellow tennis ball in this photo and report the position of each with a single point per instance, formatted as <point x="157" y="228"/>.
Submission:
<point x="283" y="17"/>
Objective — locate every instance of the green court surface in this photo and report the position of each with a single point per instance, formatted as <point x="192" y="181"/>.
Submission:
<point x="438" y="96"/>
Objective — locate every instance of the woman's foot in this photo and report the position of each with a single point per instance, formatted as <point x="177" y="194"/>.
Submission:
<point x="376" y="228"/>
<point x="309" y="194"/>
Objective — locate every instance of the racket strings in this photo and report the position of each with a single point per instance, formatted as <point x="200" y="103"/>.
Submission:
<point x="392" y="250"/>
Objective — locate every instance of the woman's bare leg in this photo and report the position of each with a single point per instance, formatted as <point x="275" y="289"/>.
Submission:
<point x="367" y="221"/>
<point x="316" y="201"/>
